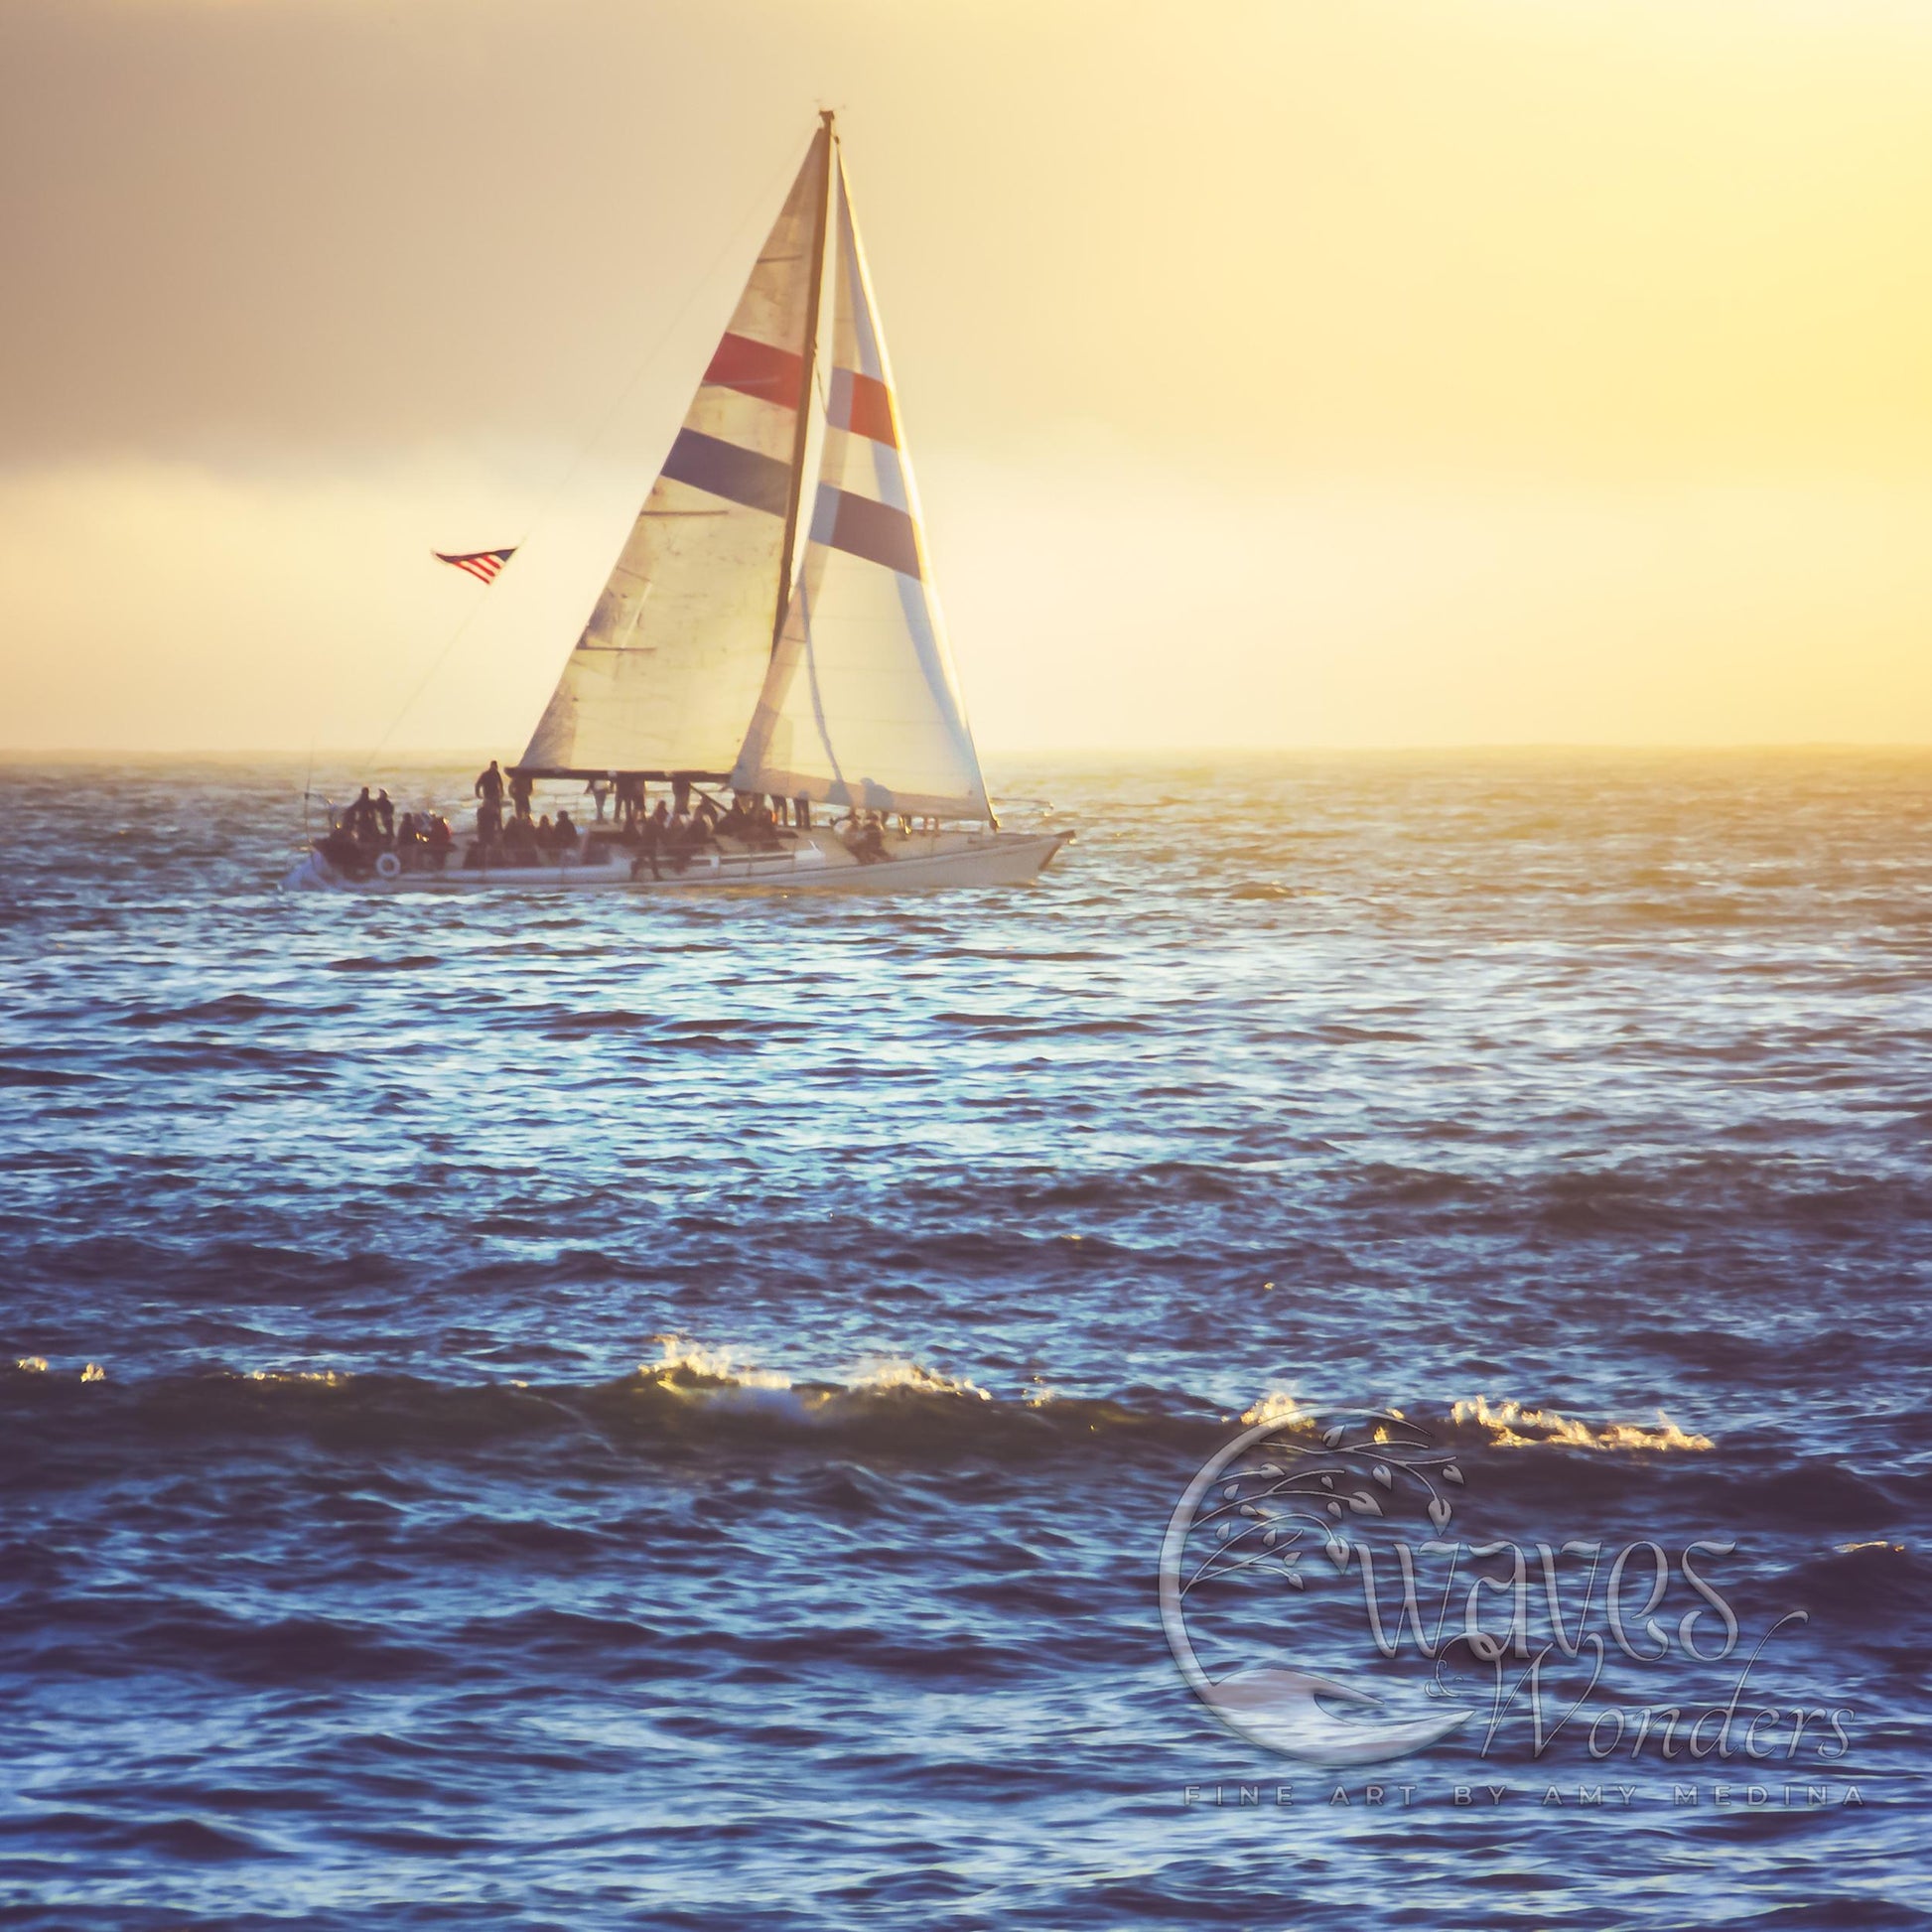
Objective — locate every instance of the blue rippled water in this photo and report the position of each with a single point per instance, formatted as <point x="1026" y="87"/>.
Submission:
<point x="606" y="1413"/>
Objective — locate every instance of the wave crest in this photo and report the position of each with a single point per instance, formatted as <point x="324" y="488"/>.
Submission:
<point x="693" y="1391"/>
<point x="1510" y="1425"/>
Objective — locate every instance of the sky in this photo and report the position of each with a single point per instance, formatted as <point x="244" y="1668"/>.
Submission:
<point x="1278" y="373"/>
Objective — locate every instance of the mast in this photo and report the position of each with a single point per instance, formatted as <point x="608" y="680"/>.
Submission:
<point x="796" y="497"/>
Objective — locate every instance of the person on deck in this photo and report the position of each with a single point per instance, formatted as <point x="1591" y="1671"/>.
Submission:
<point x="440" y="838"/>
<point x="867" y="840"/>
<point x="489" y="784"/>
<point x="689" y="834"/>
<point x="564" y="833"/>
<point x="385" y="813"/>
<point x="653" y="834"/>
<point x="341" y="851"/>
<point x="522" y="785"/>
<point x="760" y="827"/>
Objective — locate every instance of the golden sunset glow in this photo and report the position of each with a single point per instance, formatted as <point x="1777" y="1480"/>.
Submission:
<point x="1278" y="374"/>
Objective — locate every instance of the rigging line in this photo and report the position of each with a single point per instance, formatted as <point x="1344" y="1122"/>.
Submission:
<point x="577" y="463"/>
<point x="759" y="206"/>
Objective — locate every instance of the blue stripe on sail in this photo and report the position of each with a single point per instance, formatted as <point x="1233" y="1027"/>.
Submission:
<point x="875" y="531"/>
<point x="760" y="482"/>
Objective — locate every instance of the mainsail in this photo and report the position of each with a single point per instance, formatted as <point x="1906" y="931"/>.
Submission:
<point x="862" y="705"/>
<point x="670" y="664"/>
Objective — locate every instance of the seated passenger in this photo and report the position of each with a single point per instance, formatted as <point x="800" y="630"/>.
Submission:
<point x="340" y="849"/>
<point x="688" y="835"/>
<point x="866" y="841"/>
<point x="564" y="832"/>
<point x="754" y="823"/>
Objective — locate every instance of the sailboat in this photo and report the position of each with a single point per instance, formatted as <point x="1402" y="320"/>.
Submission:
<point x="769" y="628"/>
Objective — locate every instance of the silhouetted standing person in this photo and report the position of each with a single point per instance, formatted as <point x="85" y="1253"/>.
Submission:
<point x="652" y="833"/>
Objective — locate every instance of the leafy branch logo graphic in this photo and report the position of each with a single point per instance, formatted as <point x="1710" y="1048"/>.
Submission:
<point x="1266" y="1504"/>
<point x="1551" y="1631"/>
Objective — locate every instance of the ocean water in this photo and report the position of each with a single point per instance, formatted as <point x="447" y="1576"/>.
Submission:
<point x="608" y="1412"/>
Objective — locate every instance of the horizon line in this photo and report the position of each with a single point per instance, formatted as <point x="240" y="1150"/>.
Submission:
<point x="24" y="753"/>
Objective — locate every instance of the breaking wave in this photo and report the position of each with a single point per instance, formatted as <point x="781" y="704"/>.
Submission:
<point x="691" y="1391"/>
<point x="1511" y="1425"/>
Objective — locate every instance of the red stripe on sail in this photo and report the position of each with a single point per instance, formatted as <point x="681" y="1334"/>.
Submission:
<point x="758" y="369"/>
<point x="870" y="411"/>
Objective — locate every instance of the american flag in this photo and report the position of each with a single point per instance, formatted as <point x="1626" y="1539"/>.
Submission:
<point x="479" y="562"/>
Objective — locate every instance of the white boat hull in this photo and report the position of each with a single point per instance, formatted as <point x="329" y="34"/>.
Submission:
<point x="816" y="862"/>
